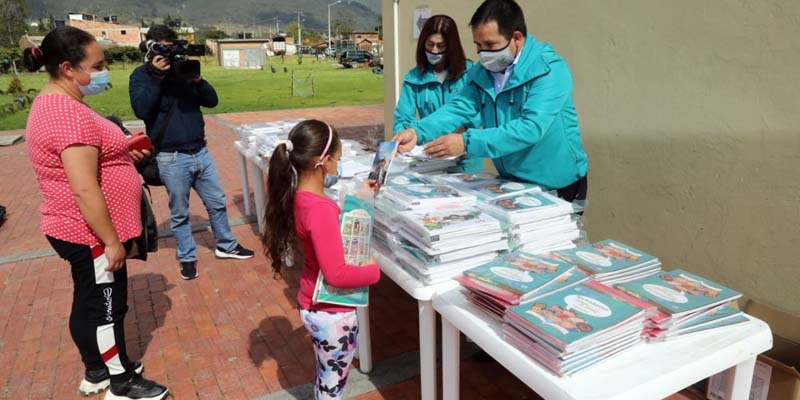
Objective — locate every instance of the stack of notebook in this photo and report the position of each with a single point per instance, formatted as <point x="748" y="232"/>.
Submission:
<point x="686" y="304"/>
<point x="611" y="262"/>
<point x="415" y="197"/>
<point x="438" y="243"/>
<point x="574" y="329"/>
<point x="538" y="221"/>
<point x="517" y="277"/>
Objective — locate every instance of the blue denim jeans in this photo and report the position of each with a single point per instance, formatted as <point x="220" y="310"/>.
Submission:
<point x="180" y="173"/>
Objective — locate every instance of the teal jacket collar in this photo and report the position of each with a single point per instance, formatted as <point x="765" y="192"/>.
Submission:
<point x="415" y="77"/>
<point x="531" y="65"/>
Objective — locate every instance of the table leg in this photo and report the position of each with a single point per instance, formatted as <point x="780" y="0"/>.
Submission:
<point x="245" y="184"/>
<point x="258" y="193"/>
<point x="364" y="341"/>
<point x="451" y="350"/>
<point x="741" y="379"/>
<point x="427" y="349"/>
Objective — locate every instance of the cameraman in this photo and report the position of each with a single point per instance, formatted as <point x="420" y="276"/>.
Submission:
<point x="170" y="105"/>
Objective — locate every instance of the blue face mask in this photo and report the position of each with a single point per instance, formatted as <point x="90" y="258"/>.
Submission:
<point x="97" y="84"/>
<point x="331" y="180"/>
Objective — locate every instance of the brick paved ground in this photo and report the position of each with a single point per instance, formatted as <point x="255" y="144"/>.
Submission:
<point x="234" y="333"/>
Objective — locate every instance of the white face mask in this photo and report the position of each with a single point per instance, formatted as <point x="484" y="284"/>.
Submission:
<point x="434" y="58"/>
<point x="497" y="60"/>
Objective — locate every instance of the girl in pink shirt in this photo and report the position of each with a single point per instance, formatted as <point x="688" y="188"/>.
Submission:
<point x="304" y="224"/>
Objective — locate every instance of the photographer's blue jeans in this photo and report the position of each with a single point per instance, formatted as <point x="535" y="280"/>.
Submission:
<point x="182" y="172"/>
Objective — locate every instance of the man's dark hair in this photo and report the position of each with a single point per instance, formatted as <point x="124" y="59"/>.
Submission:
<point x="507" y="14"/>
<point x="161" y="32"/>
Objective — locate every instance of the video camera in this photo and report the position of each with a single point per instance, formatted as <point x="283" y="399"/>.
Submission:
<point x="177" y="53"/>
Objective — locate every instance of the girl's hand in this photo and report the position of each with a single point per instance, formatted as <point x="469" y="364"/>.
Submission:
<point x="372" y="260"/>
<point x="368" y="189"/>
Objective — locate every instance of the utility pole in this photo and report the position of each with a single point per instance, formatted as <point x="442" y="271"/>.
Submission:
<point x="299" y="32"/>
<point x="328" y="47"/>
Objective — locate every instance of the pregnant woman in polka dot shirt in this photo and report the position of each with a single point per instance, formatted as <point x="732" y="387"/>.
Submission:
<point x="90" y="206"/>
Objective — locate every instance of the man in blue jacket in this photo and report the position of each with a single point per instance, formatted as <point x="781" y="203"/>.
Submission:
<point x="523" y="92"/>
<point x="170" y="108"/>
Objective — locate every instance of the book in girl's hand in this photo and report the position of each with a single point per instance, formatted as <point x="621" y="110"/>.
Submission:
<point x="383" y="160"/>
<point x="356" y="229"/>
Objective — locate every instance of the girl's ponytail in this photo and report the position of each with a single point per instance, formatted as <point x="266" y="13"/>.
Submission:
<point x="280" y="238"/>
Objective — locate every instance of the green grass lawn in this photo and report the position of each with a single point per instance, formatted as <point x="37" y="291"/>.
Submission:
<point x="238" y="90"/>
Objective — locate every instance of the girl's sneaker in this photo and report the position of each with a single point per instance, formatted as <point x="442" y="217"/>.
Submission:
<point x="96" y="381"/>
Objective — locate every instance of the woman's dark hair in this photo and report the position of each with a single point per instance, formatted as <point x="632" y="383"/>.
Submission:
<point x="161" y="32"/>
<point x="507" y="14"/>
<point x="285" y="167"/>
<point x="455" y="60"/>
<point x="65" y="43"/>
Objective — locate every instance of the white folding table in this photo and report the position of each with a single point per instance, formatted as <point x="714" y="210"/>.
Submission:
<point x="427" y="320"/>
<point x="647" y="371"/>
<point x="259" y="168"/>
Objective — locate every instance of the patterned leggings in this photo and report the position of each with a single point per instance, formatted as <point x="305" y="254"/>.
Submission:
<point x="334" y="338"/>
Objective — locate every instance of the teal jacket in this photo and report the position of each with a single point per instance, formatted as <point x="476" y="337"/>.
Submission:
<point x="529" y="129"/>
<point x="422" y="95"/>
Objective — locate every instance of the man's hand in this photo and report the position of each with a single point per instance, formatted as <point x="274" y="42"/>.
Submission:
<point x="161" y="66"/>
<point x="451" y="145"/>
<point x="406" y="140"/>
<point x="137" y="157"/>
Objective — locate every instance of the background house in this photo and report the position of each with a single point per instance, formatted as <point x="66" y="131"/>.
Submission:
<point x="108" y="33"/>
<point x="240" y="53"/>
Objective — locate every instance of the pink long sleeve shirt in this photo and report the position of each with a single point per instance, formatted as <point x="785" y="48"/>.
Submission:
<point x="316" y="221"/>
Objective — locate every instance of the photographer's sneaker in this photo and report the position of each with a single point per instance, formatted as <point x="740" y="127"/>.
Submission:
<point x="238" y="252"/>
<point x="136" y="388"/>
<point x="96" y="381"/>
<point x="189" y="270"/>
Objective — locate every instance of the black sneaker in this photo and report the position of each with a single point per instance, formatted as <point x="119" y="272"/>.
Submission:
<point x="96" y="381"/>
<point x="238" y="252"/>
<point x="136" y="388"/>
<point x="189" y="270"/>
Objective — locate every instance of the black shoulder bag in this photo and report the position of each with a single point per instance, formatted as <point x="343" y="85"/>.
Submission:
<point x="149" y="168"/>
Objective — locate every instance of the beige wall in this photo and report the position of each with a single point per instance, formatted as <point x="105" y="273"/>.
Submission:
<point x="690" y="113"/>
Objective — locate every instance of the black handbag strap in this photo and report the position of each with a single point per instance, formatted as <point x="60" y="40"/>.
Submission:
<point x="159" y="136"/>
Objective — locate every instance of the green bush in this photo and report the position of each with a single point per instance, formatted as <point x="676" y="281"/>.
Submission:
<point x="123" y="54"/>
<point x="15" y="86"/>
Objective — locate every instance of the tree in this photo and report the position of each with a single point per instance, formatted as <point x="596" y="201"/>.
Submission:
<point x="344" y="26"/>
<point x="312" y="37"/>
<point x="291" y="30"/>
<point x="143" y="24"/>
<point x="168" y="21"/>
<point x="379" y="27"/>
<point x="12" y="15"/>
<point x="212" y="33"/>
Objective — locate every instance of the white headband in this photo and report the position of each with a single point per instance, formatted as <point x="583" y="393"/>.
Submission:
<point x="288" y="143"/>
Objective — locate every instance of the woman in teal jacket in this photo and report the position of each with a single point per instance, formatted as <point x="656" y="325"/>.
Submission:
<point x="439" y="76"/>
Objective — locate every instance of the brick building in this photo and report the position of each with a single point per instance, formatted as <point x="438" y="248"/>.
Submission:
<point x="121" y="35"/>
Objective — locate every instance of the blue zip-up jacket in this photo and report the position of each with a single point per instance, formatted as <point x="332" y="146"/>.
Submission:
<point x="422" y="95"/>
<point x="530" y="129"/>
<point x="151" y="99"/>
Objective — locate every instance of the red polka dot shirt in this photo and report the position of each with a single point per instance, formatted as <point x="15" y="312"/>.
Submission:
<point x="57" y="121"/>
